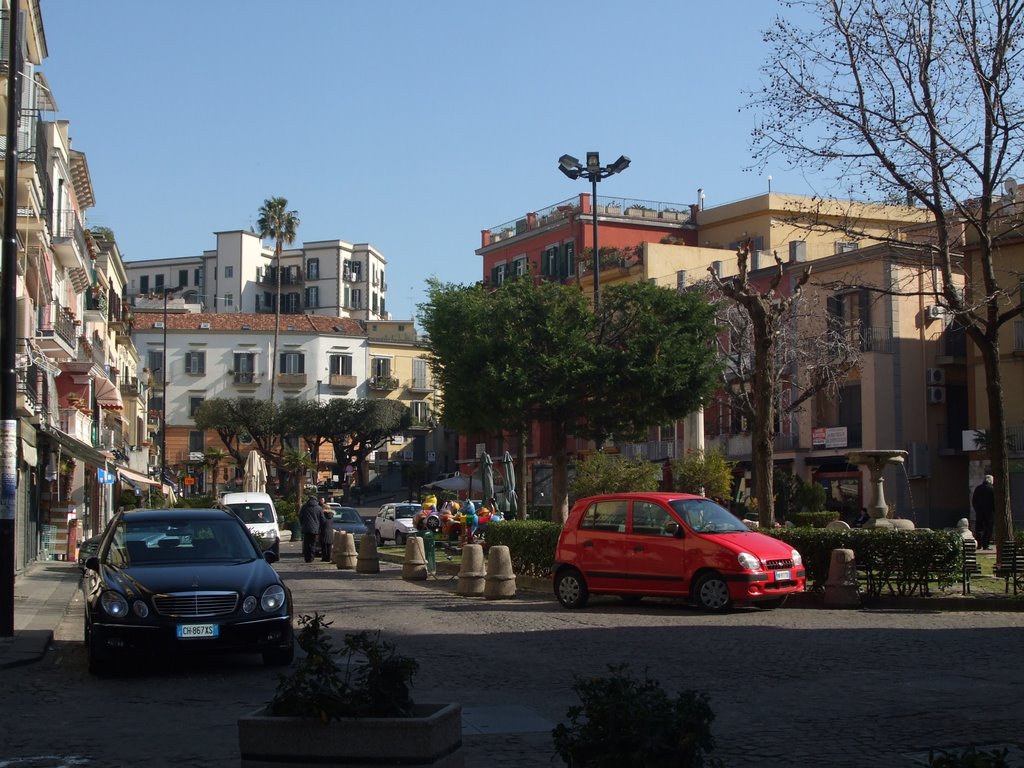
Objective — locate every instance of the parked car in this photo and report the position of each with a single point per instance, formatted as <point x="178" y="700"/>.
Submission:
<point x="259" y="514"/>
<point x="670" y="545"/>
<point x="188" y="580"/>
<point x="87" y="549"/>
<point x="349" y="520"/>
<point x="395" y="522"/>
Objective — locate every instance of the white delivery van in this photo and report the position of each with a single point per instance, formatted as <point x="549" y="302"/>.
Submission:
<point x="258" y="513"/>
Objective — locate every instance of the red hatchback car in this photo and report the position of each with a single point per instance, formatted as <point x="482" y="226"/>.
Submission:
<point x="670" y="545"/>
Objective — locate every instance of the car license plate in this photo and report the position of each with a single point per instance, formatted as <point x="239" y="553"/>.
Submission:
<point x="189" y="631"/>
<point x="782" y="575"/>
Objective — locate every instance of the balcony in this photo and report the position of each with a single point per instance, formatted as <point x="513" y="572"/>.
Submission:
<point x="244" y="378"/>
<point x="70" y="248"/>
<point x="419" y="425"/>
<point x="650" y="451"/>
<point x="56" y="332"/>
<point x="341" y="381"/>
<point x="32" y="392"/>
<point x="348" y="276"/>
<point x="420" y="385"/>
<point x="289" y="276"/>
<point x="76" y="424"/>
<point x="130" y="387"/>
<point x="96" y="307"/>
<point x="383" y="383"/>
<point x="291" y="380"/>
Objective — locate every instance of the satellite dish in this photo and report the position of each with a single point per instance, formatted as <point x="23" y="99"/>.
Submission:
<point x="1010" y="185"/>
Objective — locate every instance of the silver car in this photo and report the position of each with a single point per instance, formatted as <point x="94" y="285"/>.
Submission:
<point x="395" y="522"/>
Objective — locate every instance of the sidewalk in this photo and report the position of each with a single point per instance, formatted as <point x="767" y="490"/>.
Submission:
<point x="42" y="593"/>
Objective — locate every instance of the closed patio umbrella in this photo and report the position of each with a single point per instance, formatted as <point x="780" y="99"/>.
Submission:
<point x="509" y="501"/>
<point x="254" y="478"/>
<point x="487" y="472"/>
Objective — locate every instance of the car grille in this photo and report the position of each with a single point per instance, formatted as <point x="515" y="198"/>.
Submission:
<point x="775" y="565"/>
<point x="192" y="604"/>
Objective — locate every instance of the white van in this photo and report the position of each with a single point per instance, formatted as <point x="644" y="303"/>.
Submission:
<point x="258" y="513"/>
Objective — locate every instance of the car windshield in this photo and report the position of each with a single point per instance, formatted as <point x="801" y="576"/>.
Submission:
<point x="406" y="511"/>
<point x="178" y="541"/>
<point x="347" y="515"/>
<point x="252" y="512"/>
<point x="705" y="516"/>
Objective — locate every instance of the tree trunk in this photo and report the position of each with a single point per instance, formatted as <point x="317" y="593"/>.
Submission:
<point x="1002" y="529"/>
<point x="559" y="474"/>
<point x="277" y="322"/>
<point x="762" y="448"/>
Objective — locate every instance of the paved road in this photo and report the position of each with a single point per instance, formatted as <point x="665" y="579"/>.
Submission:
<point x="789" y="687"/>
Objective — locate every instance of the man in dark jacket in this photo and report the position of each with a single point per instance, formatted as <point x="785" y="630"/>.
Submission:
<point x="326" y="534"/>
<point x="309" y="519"/>
<point x="984" y="503"/>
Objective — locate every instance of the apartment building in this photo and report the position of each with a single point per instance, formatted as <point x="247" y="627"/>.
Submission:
<point x="332" y="278"/>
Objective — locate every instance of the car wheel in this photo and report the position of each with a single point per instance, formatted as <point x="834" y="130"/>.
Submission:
<point x="280" y="657"/>
<point x="712" y="593"/>
<point x="400" y="538"/>
<point x="571" y="589"/>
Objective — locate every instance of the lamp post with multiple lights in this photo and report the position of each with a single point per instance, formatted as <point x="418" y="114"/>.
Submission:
<point x="594" y="172"/>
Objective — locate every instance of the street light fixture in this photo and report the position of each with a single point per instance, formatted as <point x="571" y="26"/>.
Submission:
<point x="592" y="171"/>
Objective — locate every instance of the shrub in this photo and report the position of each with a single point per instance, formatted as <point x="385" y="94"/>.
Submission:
<point x="608" y="473"/>
<point x="705" y="472"/>
<point x="531" y="544"/>
<point x="626" y="722"/>
<point x="286" y="512"/>
<point x="373" y="681"/>
<point x="810" y="497"/>
<point x="814" y="519"/>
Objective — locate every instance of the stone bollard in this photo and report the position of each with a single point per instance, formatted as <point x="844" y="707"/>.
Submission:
<point x="471" y="573"/>
<point x="837" y="525"/>
<point x="337" y="540"/>
<point x="369" y="559"/>
<point x="841" y="589"/>
<point x="500" y="582"/>
<point x="414" y="566"/>
<point x="347" y="558"/>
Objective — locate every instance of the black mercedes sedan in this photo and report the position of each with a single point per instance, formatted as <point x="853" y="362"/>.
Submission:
<point x="183" y="580"/>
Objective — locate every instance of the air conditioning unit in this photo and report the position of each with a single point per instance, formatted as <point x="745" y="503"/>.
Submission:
<point x="936" y="395"/>
<point x="936" y="377"/>
<point x="204" y="326"/>
<point x="934" y="311"/>
<point x="158" y="324"/>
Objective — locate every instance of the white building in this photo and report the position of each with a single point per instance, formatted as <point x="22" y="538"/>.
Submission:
<point x="326" y="277"/>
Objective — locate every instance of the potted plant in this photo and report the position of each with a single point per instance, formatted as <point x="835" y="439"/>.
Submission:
<point x="349" y="706"/>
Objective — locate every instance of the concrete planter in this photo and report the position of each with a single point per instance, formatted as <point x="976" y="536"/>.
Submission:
<point x="431" y="737"/>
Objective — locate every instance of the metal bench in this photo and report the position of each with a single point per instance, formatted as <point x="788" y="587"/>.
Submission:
<point x="970" y="564"/>
<point x="1010" y="565"/>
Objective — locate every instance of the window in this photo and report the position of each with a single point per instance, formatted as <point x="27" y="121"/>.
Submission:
<point x="229" y="300"/>
<point x="846" y="246"/>
<point x="195" y="363"/>
<point x="419" y="373"/>
<point x="567" y="266"/>
<point x="144" y="284"/>
<point x="651" y="519"/>
<point x="549" y="261"/>
<point x="154" y="359"/>
<point x="244" y="362"/>
<point x="341" y="365"/>
<point x="229" y="271"/>
<point x="498" y="274"/>
<point x="182" y="277"/>
<point x="293" y="362"/>
<point x="848" y="313"/>
<point x="381" y="366"/>
<point x="158" y="283"/>
<point x="196" y="441"/>
<point x="313" y="269"/>
<point x="373" y="302"/>
<point x="355" y="298"/>
<point x="519" y="266"/>
<point x="313" y="296"/>
<point x="292" y="304"/>
<point x="353" y="270"/>
<point x="197" y="274"/>
<point x="194" y="401"/>
<point x="420" y="411"/>
<point x="605" y="516"/>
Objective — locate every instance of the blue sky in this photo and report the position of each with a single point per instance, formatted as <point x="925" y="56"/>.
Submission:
<point x="406" y="124"/>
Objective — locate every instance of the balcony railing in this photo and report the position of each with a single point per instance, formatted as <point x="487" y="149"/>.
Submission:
<point x="291" y="379"/>
<point x="32" y="388"/>
<point x="651" y="450"/>
<point x="420" y="385"/>
<point x="289" y="276"/>
<point x="341" y="381"/>
<point x="1015" y="438"/>
<point x="55" y="320"/>
<point x="383" y="383"/>
<point x="244" y="377"/>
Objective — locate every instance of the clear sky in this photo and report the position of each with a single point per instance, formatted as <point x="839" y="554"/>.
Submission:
<point x="406" y="124"/>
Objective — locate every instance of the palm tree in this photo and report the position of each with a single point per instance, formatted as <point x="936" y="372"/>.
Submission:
<point x="212" y="458"/>
<point x="277" y="222"/>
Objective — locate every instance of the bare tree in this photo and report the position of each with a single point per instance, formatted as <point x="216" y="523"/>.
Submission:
<point x="916" y="101"/>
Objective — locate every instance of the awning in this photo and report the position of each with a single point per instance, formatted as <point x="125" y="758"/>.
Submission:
<point x="78" y="449"/>
<point x="107" y="395"/>
<point x="134" y="477"/>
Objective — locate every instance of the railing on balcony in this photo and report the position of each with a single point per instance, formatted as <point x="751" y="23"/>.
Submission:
<point x="32" y="387"/>
<point x="243" y="377"/>
<point x="96" y="301"/>
<point x="130" y="386"/>
<point x="76" y="424"/>
<point x="953" y="342"/>
<point x="55" y="320"/>
<point x="289" y="276"/>
<point x="875" y="339"/>
<point x="383" y="383"/>
<point x="68" y="229"/>
<point x="420" y="384"/>
<point x="291" y="379"/>
<point x="651" y="450"/>
<point x="341" y="381"/>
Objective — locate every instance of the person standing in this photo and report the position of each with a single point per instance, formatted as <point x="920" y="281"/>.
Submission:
<point x="326" y="533"/>
<point x="309" y="519"/>
<point x="984" y="502"/>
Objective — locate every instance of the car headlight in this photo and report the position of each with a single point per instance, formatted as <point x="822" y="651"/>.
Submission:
<point x="140" y="609"/>
<point x="249" y="604"/>
<point x="797" y="560"/>
<point x="114" y="604"/>
<point x="273" y="598"/>
<point x="748" y="562"/>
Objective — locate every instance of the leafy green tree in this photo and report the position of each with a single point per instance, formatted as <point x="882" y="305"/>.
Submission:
<point x="608" y="473"/>
<point x="306" y="420"/>
<point x="706" y="472"/>
<point x="358" y="428"/>
<point x="536" y="352"/>
<point x="277" y="222"/>
<point x="297" y="462"/>
<point x="221" y="415"/>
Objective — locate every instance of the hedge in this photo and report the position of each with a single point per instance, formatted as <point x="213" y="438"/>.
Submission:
<point x="531" y="544"/>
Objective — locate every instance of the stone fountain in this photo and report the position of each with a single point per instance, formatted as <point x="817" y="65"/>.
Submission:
<point x="876" y="461"/>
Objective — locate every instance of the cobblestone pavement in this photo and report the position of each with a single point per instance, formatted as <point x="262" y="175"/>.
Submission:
<point x="788" y="687"/>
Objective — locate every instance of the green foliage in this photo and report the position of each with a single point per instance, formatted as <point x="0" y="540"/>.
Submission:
<point x="705" y="472"/>
<point x="785" y="484"/>
<point x="196" y="502"/>
<point x="810" y="497"/>
<point x="895" y="561"/>
<point x="372" y="680"/>
<point x="626" y="722"/>
<point x="286" y="512"/>
<point x="969" y="759"/>
<point x="608" y="473"/>
<point x="813" y="519"/>
<point x="531" y="544"/>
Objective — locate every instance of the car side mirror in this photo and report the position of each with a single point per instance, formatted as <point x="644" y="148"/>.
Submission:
<point x="92" y="563"/>
<point x="675" y="530"/>
<point x="270" y="556"/>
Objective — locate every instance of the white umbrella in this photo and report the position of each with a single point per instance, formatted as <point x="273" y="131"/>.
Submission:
<point x="254" y="478"/>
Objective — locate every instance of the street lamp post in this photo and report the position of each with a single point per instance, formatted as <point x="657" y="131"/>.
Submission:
<point x="163" y="392"/>
<point x="594" y="172"/>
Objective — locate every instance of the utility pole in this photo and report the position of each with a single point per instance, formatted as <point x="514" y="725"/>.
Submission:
<point x="9" y="316"/>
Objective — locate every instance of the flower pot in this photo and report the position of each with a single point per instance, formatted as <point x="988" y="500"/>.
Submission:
<point x="431" y="737"/>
